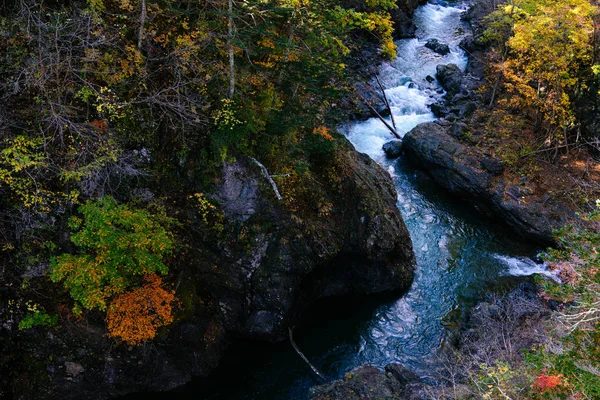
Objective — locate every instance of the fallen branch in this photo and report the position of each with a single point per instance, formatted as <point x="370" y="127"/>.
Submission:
<point x="387" y="103"/>
<point x="312" y="367"/>
<point x="266" y="175"/>
<point x="379" y="116"/>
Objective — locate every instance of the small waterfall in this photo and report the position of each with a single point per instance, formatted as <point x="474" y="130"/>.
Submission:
<point x="521" y="266"/>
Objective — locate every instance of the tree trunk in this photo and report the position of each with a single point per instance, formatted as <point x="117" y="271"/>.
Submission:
<point x="387" y="103"/>
<point x="231" y="59"/>
<point x="312" y="367"/>
<point x="142" y="22"/>
<point x="392" y="130"/>
<point x="286" y="56"/>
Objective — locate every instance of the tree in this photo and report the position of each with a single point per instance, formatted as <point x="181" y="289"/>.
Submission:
<point x="549" y="53"/>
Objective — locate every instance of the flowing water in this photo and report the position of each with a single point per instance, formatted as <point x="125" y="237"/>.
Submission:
<point x="459" y="256"/>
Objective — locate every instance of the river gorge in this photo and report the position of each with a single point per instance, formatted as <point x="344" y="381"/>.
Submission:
<point x="459" y="254"/>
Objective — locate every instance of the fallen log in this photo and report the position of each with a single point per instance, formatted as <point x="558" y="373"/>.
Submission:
<point x="379" y="116"/>
<point x="312" y="367"/>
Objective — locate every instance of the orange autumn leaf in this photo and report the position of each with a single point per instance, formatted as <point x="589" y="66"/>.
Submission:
<point x="135" y="316"/>
<point x="547" y="383"/>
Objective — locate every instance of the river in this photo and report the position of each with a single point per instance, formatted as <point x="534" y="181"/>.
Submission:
<point x="459" y="256"/>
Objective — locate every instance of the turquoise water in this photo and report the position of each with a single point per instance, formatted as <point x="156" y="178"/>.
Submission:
<point x="459" y="257"/>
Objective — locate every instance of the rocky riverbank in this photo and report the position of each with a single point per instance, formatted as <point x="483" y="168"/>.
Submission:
<point x="369" y="383"/>
<point x="494" y="330"/>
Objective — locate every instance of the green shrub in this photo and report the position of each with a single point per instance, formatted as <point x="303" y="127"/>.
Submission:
<point x="118" y="245"/>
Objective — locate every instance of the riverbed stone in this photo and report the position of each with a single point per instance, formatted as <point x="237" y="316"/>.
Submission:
<point x="437" y="47"/>
<point x="439" y="109"/>
<point x="450" y="77"/>
<point x="370" y="383"/>
<point x="393" y="148"/>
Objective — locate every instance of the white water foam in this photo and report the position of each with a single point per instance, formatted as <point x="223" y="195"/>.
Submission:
<point x="520" y="266"/>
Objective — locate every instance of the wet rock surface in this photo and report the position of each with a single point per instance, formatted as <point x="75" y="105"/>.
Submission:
<point x="450" y="78"/>
<point x="393" y="149"/>
<point x="437" y="47"/>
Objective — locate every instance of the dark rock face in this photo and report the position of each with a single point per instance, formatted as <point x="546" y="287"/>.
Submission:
<point x="432" y="148"/>
<point x="437" y="47"/>
<point x="474" y="43"/>
<point x="450" y="77"/>
<point x="439" y="109"/>
<point x="362" y="246"/>
<point x="251" y="280"/>
<point x="404" y="26"/>
<point x="393" y="149"/>
<point x="370" y="383"/>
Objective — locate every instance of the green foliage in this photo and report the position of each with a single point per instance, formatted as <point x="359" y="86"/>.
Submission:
<point x="36" y="317"/>
<point x="117" y="245"/>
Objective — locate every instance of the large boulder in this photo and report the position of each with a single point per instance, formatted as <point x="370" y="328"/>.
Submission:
<point x="393" y="148"/>
<point x="472" y="177"/>
<point x="450" y="78"/>
<point x="356" y="243"/>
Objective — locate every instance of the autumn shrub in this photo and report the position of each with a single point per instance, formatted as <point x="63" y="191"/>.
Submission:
<point x="134" y="316"/>
<point x="117" y="245"/>
<point x="547" y="383"/>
